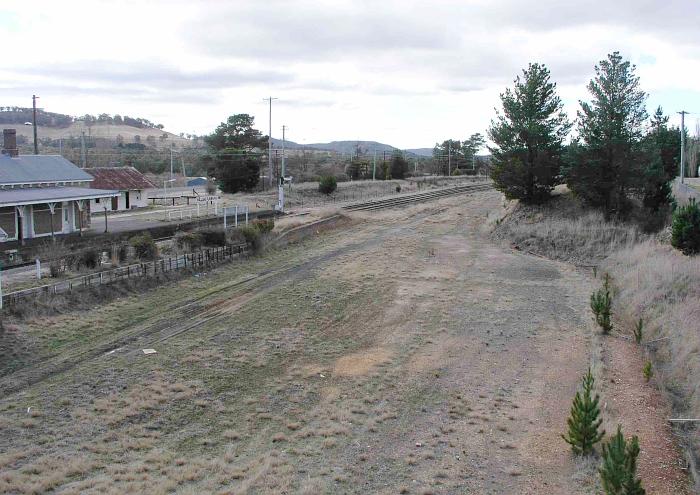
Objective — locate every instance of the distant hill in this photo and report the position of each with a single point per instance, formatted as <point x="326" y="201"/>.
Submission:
<point x="156" y="138"/>
<point x="110" y="129"/>
<point x="348" y="147"/>
<point x="427" y="152"/>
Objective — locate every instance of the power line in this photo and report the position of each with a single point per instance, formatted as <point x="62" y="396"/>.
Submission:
<point x="683" y="113"/>
<point x="269" y="142"/>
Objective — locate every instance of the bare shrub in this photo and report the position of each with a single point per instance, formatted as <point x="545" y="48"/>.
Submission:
<point x="189" y="241"/>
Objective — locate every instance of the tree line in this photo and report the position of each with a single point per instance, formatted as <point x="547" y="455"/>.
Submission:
<point x="20" y="115"/>
<point x="616" y="156"/>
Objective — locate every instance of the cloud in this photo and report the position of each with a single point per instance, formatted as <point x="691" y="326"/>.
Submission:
<point x="422" y="70"/>
<point x="294" y="32"/>
<point x="154" y="75"/>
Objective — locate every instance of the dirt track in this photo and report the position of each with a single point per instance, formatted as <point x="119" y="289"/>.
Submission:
<point x="406" y="354"/>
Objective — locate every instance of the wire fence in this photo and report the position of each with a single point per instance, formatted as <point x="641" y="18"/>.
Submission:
<point x="190" y="261"/>
<point x="683" y="192"/>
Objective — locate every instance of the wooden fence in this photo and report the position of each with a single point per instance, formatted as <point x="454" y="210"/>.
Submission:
<point x="190" y="261"/>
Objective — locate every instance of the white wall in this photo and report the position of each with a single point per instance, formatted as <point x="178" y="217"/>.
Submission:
<point x="137" y="199"/>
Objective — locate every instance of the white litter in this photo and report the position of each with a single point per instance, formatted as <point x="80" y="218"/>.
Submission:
<point x="149" y="351"/>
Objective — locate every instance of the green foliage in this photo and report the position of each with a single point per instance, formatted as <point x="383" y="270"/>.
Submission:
<point x="264" y="225"/>
<point x="212" y="236"/>
<point x="237" y="133"/>
<point x="647" y="371"/>
<point x="618" y="472"/>
<point x="237" y="170"/>
<point x="685" y="229"/>
<point x="90" y="257"/>
<point x="528" y="137"/>
<point x="144" y="246"/>
<point x="606" y="166"/>
<point x="584" y="420"/>
<point x="189" y="241"/>
<point x="639" y="331"/>
<point x="122" y="253"/>
<point x="398" y="166"/>
<point x="462" y="153"/>
<point x="252" y="237"/>
<point x="327" y="184"/>
<point x="601" y="305"/>
<point x="664" y="141"/>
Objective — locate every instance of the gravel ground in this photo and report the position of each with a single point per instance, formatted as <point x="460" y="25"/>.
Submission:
<point x="406" y="353"/>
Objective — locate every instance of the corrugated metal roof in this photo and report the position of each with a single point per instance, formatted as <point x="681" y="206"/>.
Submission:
<point x="31" y="169"/>
<point x="34" y="195"/>
<point x="122" y="178"/>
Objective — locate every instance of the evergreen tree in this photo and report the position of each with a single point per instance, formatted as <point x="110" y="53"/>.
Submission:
<point x="528" y="137"/>
<point x="398" y="166"/>
<point x="618" y="473"/>
<point x="584" y="422"/>
<point x="665" y="141"/>
<point x="238" y="133"/>
<point x="236" y="170"/>
<point x="606" y="167"/>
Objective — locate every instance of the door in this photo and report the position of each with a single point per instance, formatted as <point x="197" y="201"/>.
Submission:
<point x="127" y="200"/>
<point x="115" y="203"/>
<point x="66" y="218"/>
<point x="20" y="229"/>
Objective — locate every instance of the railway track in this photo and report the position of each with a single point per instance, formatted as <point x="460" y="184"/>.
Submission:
<point x="417" y="198"/>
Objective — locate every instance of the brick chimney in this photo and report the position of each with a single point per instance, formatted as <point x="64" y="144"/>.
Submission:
<point x="9" y="142"/>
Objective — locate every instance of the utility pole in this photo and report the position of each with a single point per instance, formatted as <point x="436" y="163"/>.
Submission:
<point x="374" y="166"/>
<point x="683" y="113"/>
<point x="171" y="162"/>
<point x="269" y="144"/>
<point x="83" y="157"/>
<point x="449" y="158"/>
<point x="284" y="128"/>
<point x="36" y="144"/>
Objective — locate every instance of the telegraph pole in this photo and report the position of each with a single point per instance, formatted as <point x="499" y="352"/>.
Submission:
<point x="374" y="166"/>
<point x="269" y="143"/>
<point x="683" y="113"/>
<point x="171" y="162"/>
<point x="284" y="128"/>
<point x="449" y="158"/>
<point x="83" y="158"/>
<point x="36" y="144"/>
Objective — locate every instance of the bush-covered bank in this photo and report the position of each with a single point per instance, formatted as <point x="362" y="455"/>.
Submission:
<point x="564" y="229"/>
<point x="655" y="282"/>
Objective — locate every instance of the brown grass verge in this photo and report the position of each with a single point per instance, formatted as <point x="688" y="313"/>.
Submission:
<point x="565" y="230"/>
<point x="660" y="285"/>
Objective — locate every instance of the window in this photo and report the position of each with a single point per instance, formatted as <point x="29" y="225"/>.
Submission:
<point x="97" y="201"/>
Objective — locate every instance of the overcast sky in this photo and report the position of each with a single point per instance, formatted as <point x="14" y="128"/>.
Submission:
<point x="407" y="73"/>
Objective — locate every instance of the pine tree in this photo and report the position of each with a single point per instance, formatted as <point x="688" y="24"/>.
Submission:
<point x="618" y="473"/>
<point x="606" y="167"/>
<point x="528" y="137"/>
<point x="584" y="422"/>
<point x="601" y="305"/>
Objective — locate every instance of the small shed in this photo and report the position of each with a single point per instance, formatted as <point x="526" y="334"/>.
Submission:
<point x="197" y="181"/>
<point x="131" y="184"/>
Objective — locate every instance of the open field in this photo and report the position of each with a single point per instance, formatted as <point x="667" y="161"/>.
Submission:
<point x="406" y="353"/>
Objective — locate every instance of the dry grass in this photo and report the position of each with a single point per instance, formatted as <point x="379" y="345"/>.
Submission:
<point x="564" y="230"/>
<point x="660" y="285"/>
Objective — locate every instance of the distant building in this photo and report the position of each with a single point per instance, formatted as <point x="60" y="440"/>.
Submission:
<point x="130" y="183"/>
<point x="42" y="195"/>
<point x="197" y="181"/>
